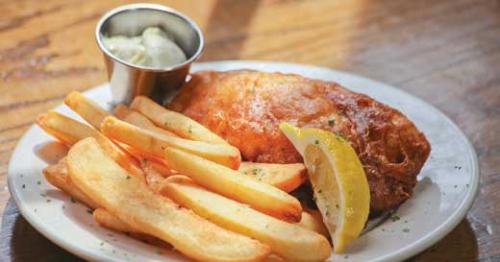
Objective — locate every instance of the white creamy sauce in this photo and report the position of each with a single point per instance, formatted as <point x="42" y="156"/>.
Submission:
<point x="153" y="48"/>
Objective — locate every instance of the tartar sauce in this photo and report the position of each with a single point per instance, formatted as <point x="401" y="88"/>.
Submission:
<point x="153" y="48"/>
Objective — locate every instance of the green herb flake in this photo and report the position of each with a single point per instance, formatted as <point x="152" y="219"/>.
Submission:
<point x="89" y="211"/>
<point x="316" y="142"/>
<point x="256" y="171"/>
<point x="72" y="199"/>
<point x="395" y="218"/>
<point x="406" y="230"/>
<point x="190" y="129"/>
<point x="23" y="186"/>
<point x="38" y="182"/>
<point x="48" y="200"/>
<point x="331" y="122"/>
<point x="128" y="177"/>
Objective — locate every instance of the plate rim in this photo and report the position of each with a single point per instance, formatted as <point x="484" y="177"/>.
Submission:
<point x="403" y="253"/>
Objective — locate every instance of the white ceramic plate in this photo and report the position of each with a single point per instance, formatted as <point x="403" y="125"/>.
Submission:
<point x="446" y="189"/>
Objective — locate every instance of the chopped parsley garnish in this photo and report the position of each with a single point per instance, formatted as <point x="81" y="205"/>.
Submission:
<point x="406" y="230"/>
<point x="24" y="186"/>
<point x="128" y="177"/>
<point x="316" y="142"/>
<point x="395" y="218"/>
<point x="331" y="122"/>
<point x="72" y="200"/>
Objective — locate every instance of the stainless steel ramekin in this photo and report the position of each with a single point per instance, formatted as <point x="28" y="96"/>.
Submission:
<point x="128" y="80"/>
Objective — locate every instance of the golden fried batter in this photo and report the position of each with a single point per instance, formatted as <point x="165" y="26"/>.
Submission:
<point x="246" y="107"/>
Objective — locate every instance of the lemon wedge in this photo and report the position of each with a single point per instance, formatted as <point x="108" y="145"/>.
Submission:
<point x="339" y="182"/>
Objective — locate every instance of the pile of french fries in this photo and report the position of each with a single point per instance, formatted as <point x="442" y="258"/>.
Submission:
<point x="161" y="176"/>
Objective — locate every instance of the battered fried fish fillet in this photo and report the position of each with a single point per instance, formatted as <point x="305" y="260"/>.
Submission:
<point x="246" y="107"/>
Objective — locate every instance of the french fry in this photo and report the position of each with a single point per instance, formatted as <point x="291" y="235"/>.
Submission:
<point x="289" y="241"/>
<point x="110" y="221"/>
<point x="57" y="175"/>
<point x="121" y="157"/>
<point x="312" y="220"/>
<point x="71" y="131"/>
<point x="126" y="197"/>
<point x="153" y="177"/>
<point x="121" y="111"/>
<point x="156" y="143"/>
<point x="135" y="118"/>
<point x="175" y="122"/>
<point x="286" y="177"/>
<point x="160" y="167"/>
<point x="65" y="129"/>
<point x="86" y="108"/>
<point x="235" y="185"/>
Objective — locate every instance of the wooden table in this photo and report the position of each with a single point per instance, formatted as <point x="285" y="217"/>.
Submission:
<point x="446" y="52"/>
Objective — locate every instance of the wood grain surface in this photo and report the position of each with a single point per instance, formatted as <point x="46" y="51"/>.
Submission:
<point x="446" y="52"/>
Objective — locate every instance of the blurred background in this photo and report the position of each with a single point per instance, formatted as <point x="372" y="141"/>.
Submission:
<point x="446" y="52"/>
